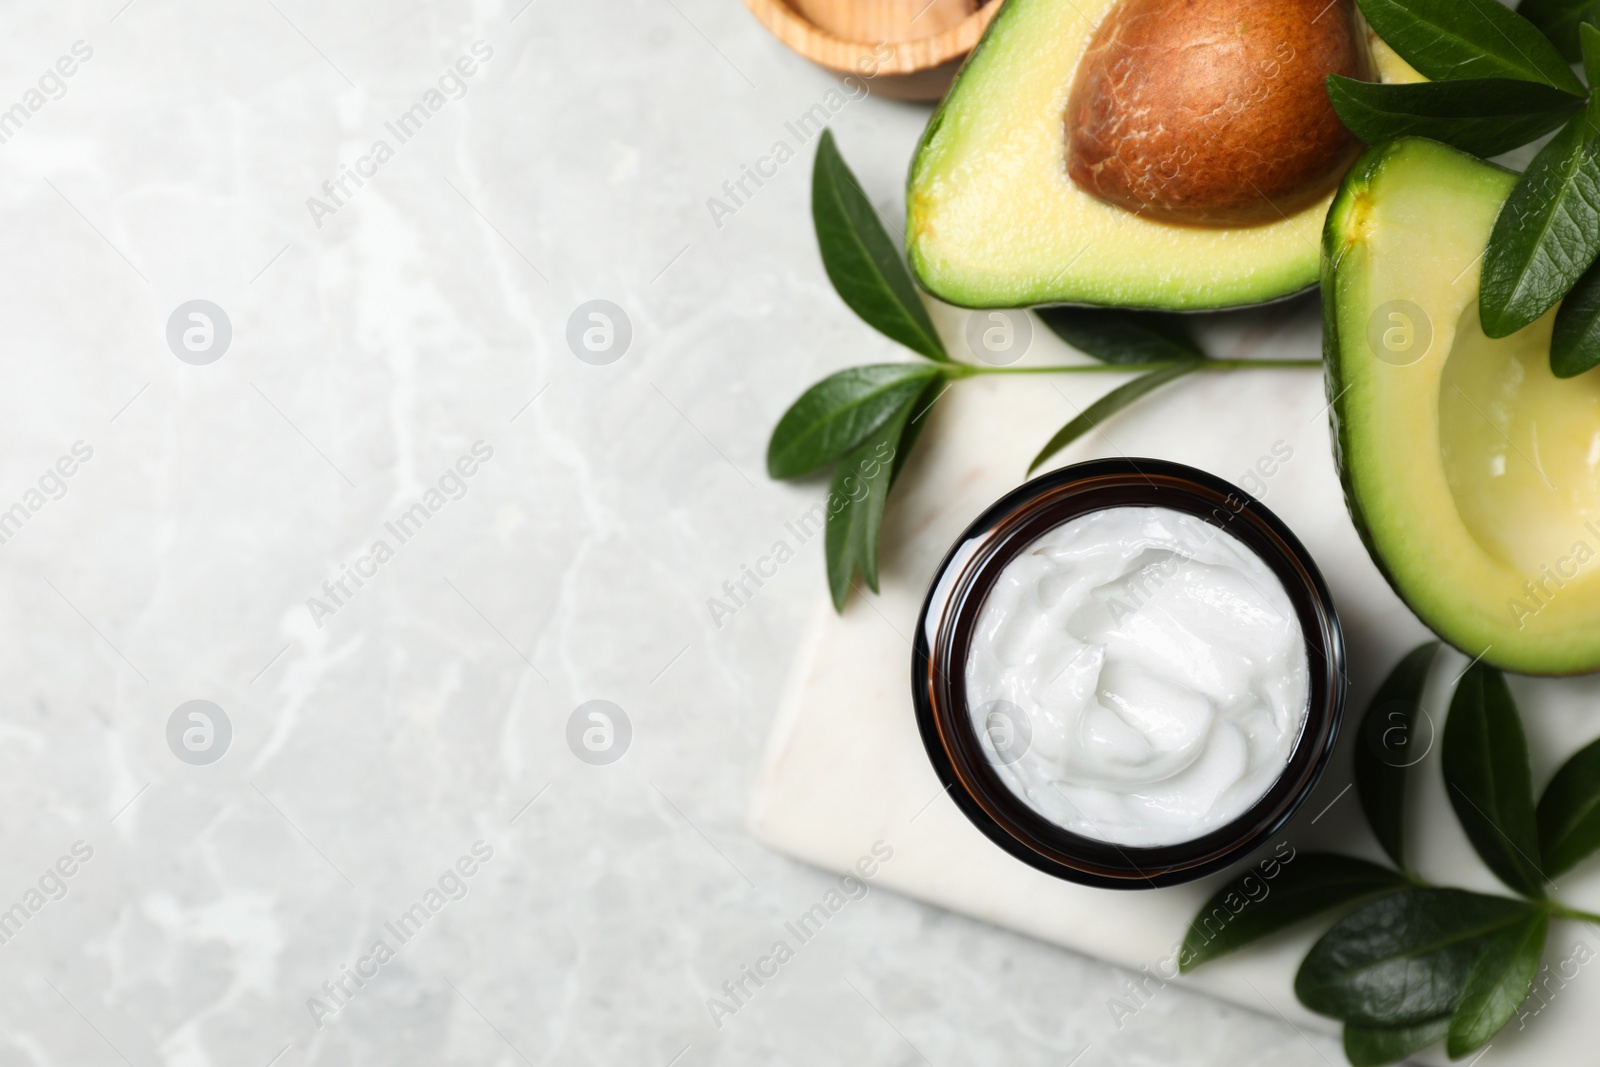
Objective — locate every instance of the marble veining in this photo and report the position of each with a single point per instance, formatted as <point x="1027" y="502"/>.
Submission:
<point x="231" y="906"/>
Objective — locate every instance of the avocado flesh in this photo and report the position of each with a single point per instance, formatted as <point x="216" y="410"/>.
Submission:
<point x="1473" y="473"/>
<point x="994" y="221"/>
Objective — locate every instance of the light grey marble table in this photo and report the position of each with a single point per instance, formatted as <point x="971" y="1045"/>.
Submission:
<point x="385" y="758"/>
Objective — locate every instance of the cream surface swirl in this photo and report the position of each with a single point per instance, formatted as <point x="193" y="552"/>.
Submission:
<point x="1139" y="676"/>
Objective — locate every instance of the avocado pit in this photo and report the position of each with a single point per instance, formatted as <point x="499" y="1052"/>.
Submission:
<point x="1214" y="112"/>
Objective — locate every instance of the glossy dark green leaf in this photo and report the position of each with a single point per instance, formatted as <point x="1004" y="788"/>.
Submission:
<point x="1569" y="813"/>
<point x="1559" y="21"/>
<point x="1450" y="39"/>
<point x="1403" y="959"/>
<point x="1254" y="905"/>
<point x="874" y="463"/>
<point x="1547" y="233"/>
<point x="1484" y="116"/>
<point x="1113" y="335"/>
<point x="1589" y="50"/>
<point x="1392" y="740"/>
<point x="1497" y="984"/>
<point x="856" y="497"/>
<point x="1374" y="1046"/>
<point x="1575" y="343"/>
<point x="1108" y="405"/>
<point x="1485" y="761"/>
<point x="839" y="412"/>
<point x="862" y="261"/>
<point x="921" y="409"/>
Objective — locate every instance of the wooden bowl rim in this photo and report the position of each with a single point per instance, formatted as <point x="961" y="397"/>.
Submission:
<point x="856" y="57"/>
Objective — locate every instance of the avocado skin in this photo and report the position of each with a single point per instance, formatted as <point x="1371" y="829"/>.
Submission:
<point x="1356" y="183"/>
<point x="934" y="122"/>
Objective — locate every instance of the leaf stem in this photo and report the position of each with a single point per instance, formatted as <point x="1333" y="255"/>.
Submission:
<point x="1561" y="910"/>
<point x="968" y="370"/>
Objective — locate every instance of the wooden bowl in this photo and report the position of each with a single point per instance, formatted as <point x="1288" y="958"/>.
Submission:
<point x="903" y="49"/>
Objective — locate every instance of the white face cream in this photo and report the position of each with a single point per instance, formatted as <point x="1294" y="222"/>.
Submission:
<point x="1137" y="675"/>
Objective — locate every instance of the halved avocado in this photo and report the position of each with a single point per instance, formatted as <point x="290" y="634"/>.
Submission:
<point x="995" y="221"/>
<point x="1471" y="471"/>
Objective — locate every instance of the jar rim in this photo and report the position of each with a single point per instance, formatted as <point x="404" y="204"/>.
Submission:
<point x="956" y="597"/>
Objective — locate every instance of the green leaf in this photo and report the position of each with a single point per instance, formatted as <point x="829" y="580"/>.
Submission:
<point x="1484" y="116"/>
<point x="1559" y="21"/>
<point x="856" y="496"/>
<point x="1109" y="405"/>
<point x="1547" y="233"/>
<point x="1112" y="335"/>
<point x="862" y="262"/>
<point x="1403" y="959"/>
<point x="921" y="408"/>
<point x="1589" y="48"/>
<point x="1253" y="905"/>
<point x="1390" y="742"/>
<point x="1486" y="774"/>
<point x="1452" y="39"/>
<point x="1374" y="1046"/>
<point x="1569" y="812"/>
<point x="1497" y="984"/>
<point x="839" y="412"/>
<point x="1575" y="343"/>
